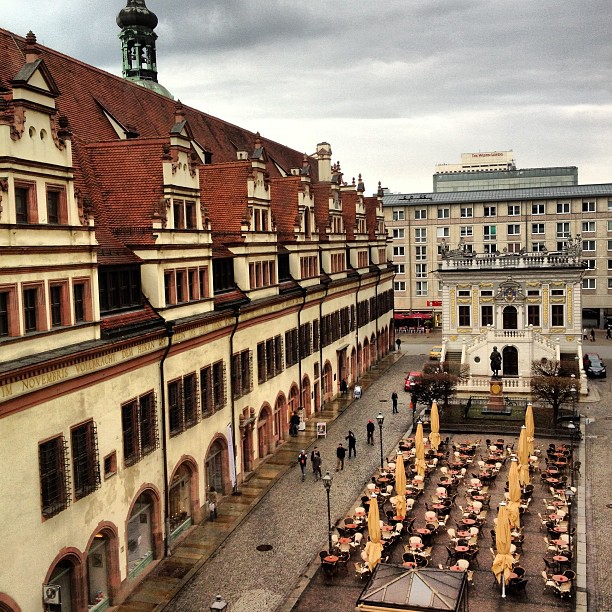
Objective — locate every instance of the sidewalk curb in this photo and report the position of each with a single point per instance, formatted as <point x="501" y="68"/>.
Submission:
<point x="378" y="370"/>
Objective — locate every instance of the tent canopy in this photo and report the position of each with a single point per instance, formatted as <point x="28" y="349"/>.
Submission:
<point x="393" y="587"/>
<point x="403" y="316"/>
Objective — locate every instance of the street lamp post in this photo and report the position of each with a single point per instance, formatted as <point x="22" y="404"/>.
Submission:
<point x="572" y="428"/>
<point x="219" y="605"/>
<point x="381" y="419"/>
<point x="327" y="480"/>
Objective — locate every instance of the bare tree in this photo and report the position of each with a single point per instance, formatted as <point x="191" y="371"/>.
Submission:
<point x="552" y="383"/>
<point x="439" y="381"/>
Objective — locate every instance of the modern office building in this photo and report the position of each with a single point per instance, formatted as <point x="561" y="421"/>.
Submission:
<point x="172" y="288"/>
<point x="497" y="170"/>
<point x="510" y="221"/>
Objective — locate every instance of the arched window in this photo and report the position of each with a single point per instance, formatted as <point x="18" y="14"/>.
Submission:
<point x="98" y="560"/>
<point x="140" y="535"/>
<point x="180" y="501"/>
<point x="214" y="467"/>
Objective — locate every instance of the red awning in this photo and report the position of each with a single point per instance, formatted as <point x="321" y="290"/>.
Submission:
<point x="401" y="316"/>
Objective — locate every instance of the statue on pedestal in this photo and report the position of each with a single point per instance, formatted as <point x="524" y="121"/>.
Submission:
<point x="496" y="361"/>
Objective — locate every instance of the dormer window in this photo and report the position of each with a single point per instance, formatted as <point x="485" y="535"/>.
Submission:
<point x="56" y="206"/>
<point x="260" y="220"/>
<point x="25" y="204"/>
<point x="184" y="214"/>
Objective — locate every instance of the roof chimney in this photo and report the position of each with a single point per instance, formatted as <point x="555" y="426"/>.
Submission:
<point x="324" y="154"/>
<point x="32" y="52"/>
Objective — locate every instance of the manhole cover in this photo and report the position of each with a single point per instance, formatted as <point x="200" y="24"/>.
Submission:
<point x="264" y="547"/>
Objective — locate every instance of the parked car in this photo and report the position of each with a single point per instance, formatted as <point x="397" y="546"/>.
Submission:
<point x="436" y="353"/>
<point x="412" y="382"/>
<point x="594" y="366"/>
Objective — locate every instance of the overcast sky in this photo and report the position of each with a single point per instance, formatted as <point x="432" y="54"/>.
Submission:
<point x="395" y="86"/>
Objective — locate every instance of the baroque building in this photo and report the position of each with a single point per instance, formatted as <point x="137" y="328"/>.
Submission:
<point x="172" y="288"/>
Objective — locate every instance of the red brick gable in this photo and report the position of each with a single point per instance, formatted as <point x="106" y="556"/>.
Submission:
<point x="349" y="208"/>
<point x="285" y="199"/>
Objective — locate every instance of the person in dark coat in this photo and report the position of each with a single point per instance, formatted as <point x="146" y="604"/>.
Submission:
<point x="394" y="400"/>
<point x="352" y="442"/>
<point x="340" y="455"/>
<point x="302" y="459"/>
<point x="370" y="430"/>
<point x="343" y="387"/>
<point x="294" y="423"/>
<point x="315" y="458"/>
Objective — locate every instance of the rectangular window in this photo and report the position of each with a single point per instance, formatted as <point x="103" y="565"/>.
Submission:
<point x="538" y="247"/>
<point x="4" y="313"/>
<point x="533" y="315"/>
<point x="514" y="229"/>
<point x="588" y="206"/>
<point x="190" y="399"/>
<point x="399" y="285"/>
<point x="420" y="234"/>
<point x="467" y="212"/>
<point x="538" y="209"/>
<point x="179" y="214"/>
<point x="563" y="208"/>
<point x="486" y="315"/>
<point x="401" y="268"/>
<point x="557" y="315"/>
<point x="443" y="213"/>
<point x="421" y="270"/>
<point x="139" y="423"/>
<point x="589" y="283"/>
<point x="25" y="204"/>
<point x="181" y="286"/>
<point x="609" y="283"/>
<point x="589" y="264"/>
<point x="464" y="293"/>
<point x="420" y="253"/>
<point x="609" y="245"/>
<point x="514" y="210"/>
<point x="30" y="309"/>
<point x="486" y="293"/>
<point x="490" y="248"/>
<point x="464" y="316"/>
<point x="399" y="251"/>
<point x="55" y="299"/>
<point x="206" y="391"/>
<point x="588" y="245"/>
<point x="490" y="211"/>
<point x="78" y="298"/>
<point x="218" y="381"/>
<point x="466" y="230"/>
<point x="203" y="282"/>
<point x="421" y="288"/>
<point x="514" y="247"/>
<point x="563" y="229"/>
<point x="489" y="232"/>
<point x="557" y="292"/>
<point x="609" y="225"/>
<point x="588" y="226"/>
<point x="190" y="215"/>
<point x="119" y="288"/>
<point x="54" y="472"/>
<point x="242" y="373"/>
<point x="53" y="207"/>
<point x="129" y="423"/>
<point x="443" y="232"/>
<point x="85" y="460"/>
<point x="537" y="228"/>
<point x="398" y="232"/>
<point x="398" y="215"/>
<point x="420" y="213"/>
<point x="175" y="414"/>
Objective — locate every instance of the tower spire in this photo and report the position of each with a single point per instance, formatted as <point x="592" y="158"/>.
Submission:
<point x="138" y="38"/>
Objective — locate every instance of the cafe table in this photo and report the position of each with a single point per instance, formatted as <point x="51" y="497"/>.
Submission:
<point x="560" y="529"/>
<point x="463" y="534"/>
<point x="455" y="568"/>
<point x="468" y="521"/>
<point x="344" y="540"/>
<point x="331" y="559"/>
<point x="560" y="578"/>
<point x="409" y="564"/>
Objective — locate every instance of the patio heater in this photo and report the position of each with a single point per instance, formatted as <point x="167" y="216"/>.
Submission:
<point x="219" y="605"/>
<point x="327" y="481"/>
<point x="381" y="419"/>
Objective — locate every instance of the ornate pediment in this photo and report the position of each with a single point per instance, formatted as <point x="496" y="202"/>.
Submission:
<point x="510" y="292"/>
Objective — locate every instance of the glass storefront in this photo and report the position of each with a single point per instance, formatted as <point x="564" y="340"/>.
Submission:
<point x="140" y="536"/>
<point x="97" y="574"/>
<point x="214" y="468"/>
<point x="62" y="576"/>
<point x="180" y="501"/>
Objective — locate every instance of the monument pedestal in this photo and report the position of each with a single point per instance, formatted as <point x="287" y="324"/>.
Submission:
<point x="496" y="396"/>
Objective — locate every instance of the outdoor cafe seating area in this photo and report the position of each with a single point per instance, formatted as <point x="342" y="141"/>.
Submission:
<point x="448" y="506"/>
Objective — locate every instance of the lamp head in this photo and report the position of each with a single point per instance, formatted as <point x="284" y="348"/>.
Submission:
<point x="219" y="605"/>
<point x="327" y="480"/>
<point x="380" y="419"/>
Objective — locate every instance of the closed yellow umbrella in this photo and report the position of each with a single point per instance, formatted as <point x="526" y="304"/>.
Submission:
<point x="502" y="564"/>
<point x="529" y="424"/>
<point x="434" y="436"/>
<point x="523" y="457"/>
<point x="373" y="548"/>
<point x="514" y="491"/>
<point x="400" y="486"/>
<point x="420" y="450"/>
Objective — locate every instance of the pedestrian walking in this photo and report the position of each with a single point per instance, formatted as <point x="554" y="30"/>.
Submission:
<point x="352" y="441"/>
<point x="399" y="344"/>
<point x="584" y="334"/>
<point x="394" y="400"/>
<point x="212" y="503"/>
<point x="370" y="430"/>
<point x="592" y="334"/>
<point x="608" y="333"/>
<point x="343" y="387"/>
<point x="340" y="455"/>
<point x="302" y="459"/>
<point x="294" y="423"/>
<point x="315" y="460"/>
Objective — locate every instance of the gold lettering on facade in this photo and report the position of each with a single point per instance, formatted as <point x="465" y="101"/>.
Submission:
<point x="128" y="352"/>
<point x="42" y="380"/>
<point x="94" y="364"/>
<point x="6" y="390"/>
<point x="146" y="347"/>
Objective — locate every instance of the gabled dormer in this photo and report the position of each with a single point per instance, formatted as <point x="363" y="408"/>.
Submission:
<point x="258" y="217"/>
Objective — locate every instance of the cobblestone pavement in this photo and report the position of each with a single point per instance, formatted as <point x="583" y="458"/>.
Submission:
<point x="292" y="516"/>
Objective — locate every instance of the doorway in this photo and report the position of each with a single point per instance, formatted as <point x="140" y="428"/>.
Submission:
<point x="510" y="361"/>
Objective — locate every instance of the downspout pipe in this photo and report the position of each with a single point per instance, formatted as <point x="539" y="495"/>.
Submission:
<point x="162" y="379"/>
<point x="376" y="306"/>
<point x="357" y="330"/>
<point x="299" y="318"/>
<point x="236" y="313"/>
<point x="326" y="285"/>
